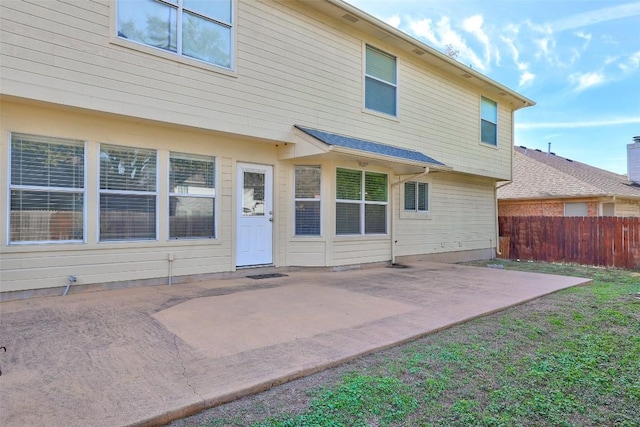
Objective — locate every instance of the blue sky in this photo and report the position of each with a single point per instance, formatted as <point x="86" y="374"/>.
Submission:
<point x="578" y="59"/>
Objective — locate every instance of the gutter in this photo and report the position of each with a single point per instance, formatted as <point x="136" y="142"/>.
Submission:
<point x="394" y="32"/>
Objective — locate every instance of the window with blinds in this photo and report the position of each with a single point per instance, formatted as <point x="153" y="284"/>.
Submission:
<point x="47" y="189"/>
<point x="128" y="193"/>
<point x="489" y="122"/>
<point x="192" y="196"/>
<point x="416" y="196"/>
<point x="381" y="82"/>
<point x="307" y="200"/>
<point x="361" y="202"/>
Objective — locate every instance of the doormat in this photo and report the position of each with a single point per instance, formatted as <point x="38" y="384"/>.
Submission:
<point x="267" y="276"/>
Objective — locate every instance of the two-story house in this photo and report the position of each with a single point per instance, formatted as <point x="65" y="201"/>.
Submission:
<point x="145" y="141"/>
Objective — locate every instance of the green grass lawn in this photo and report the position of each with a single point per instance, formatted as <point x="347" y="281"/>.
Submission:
<point x="567" y="359"/>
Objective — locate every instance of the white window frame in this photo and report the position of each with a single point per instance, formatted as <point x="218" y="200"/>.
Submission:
<point x="369" y="76"/>
<point x="482" y="119"/>
<point x="178" y="56"/>
<point x="417" y="209"/>
<point x="11" y="187"/>
<point x="197" y="157"/>
<point x="129" y="193"/>
<point x="362" y="204"/>
<point x="574" y="205"/>
<point x="307" y="199"/>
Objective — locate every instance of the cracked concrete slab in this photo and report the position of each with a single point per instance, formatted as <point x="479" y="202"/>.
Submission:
<point x="144" y="356"/>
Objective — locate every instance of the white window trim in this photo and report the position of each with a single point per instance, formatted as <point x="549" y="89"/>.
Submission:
<point x="231" y="71"/>
<point x="488" y="144"/>
<point x="132" y="193"/>
<point x="173" y="194"/>
<point x="416" y="214"/>
<point x="574" y="204"/>
<point x="300" y="199"/>
<point x="362" y="204"/>
<point x="393" y="117"/>
<point x="40" y="188"/>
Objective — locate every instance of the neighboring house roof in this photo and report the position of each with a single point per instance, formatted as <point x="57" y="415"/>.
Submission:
<point x="541" y="175"/>
<point x="369" y="146"/>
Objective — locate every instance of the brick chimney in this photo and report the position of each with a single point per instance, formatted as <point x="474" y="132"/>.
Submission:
<point x="633" y="160"/>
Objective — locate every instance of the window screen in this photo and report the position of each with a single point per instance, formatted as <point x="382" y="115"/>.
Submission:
<point x="489" y="122"/>
<point x="380" y="81"/>
<point x="47" y="189"/>
<point x="361" y="202"/>
<point x="127" y="193"/>
<point x="416" y="196"/>
<point x="307" y="200"/>
<point x="192" y="196"/>
<point x="576" y="209"/>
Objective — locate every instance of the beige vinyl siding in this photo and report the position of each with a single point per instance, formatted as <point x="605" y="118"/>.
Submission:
<point x="461" y="218"/>
<point x="627" y="208"/>
<point x="361" y="250"/>
<point x="29" y="266"/>
<point x="307" y="252"/>
<point x="291" y="69"/>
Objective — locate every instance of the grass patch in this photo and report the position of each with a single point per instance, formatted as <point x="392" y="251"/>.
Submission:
<point x="567" y="359"/>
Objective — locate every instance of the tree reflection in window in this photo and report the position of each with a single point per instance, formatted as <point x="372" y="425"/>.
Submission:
<point x="204" y="28"/>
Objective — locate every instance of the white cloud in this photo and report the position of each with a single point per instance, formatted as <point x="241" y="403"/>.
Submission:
<point x="583" y="81"/>
<point x="632" y="63"/>
<point x="592" y="17"/>
<point x="579" y="124"/>
<point x="586" y="37"/>
<point x="394" y="21"/>
<point x="442" y="35"/>
<point x="526" y="78"/>
<point x="474" y="26"/>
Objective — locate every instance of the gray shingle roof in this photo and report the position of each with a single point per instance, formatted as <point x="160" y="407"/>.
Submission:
<point x="369" y="146"/>
<point x="538" y="175"/>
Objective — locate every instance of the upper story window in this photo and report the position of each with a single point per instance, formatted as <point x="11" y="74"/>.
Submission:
<point x="47" y="187"/>
<point x="381" y="82"/>
<point x="489" y="122"/>
<point x="199" y="29"/>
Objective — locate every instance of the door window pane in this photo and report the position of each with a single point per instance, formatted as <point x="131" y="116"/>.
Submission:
<point x="253" y="195"/>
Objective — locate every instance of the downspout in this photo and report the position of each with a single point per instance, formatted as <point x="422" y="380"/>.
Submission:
<point x="495" y="187"/>
<point x="393" y="216"/>
<point x="495" y="196"/>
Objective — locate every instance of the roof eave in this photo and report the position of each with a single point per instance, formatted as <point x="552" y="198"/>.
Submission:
<point x="444" y="60"/>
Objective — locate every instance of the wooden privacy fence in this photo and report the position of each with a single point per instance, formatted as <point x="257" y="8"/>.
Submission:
<point x="604" y="241"/>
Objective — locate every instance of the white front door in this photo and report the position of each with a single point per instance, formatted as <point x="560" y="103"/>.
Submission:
<point x="255" y="215"/>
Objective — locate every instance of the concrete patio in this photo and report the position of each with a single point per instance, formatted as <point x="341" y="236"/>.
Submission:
<point x="145" y="356"/>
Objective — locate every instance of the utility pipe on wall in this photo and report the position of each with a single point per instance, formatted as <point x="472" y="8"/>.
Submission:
<point x="393" y="204"/>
